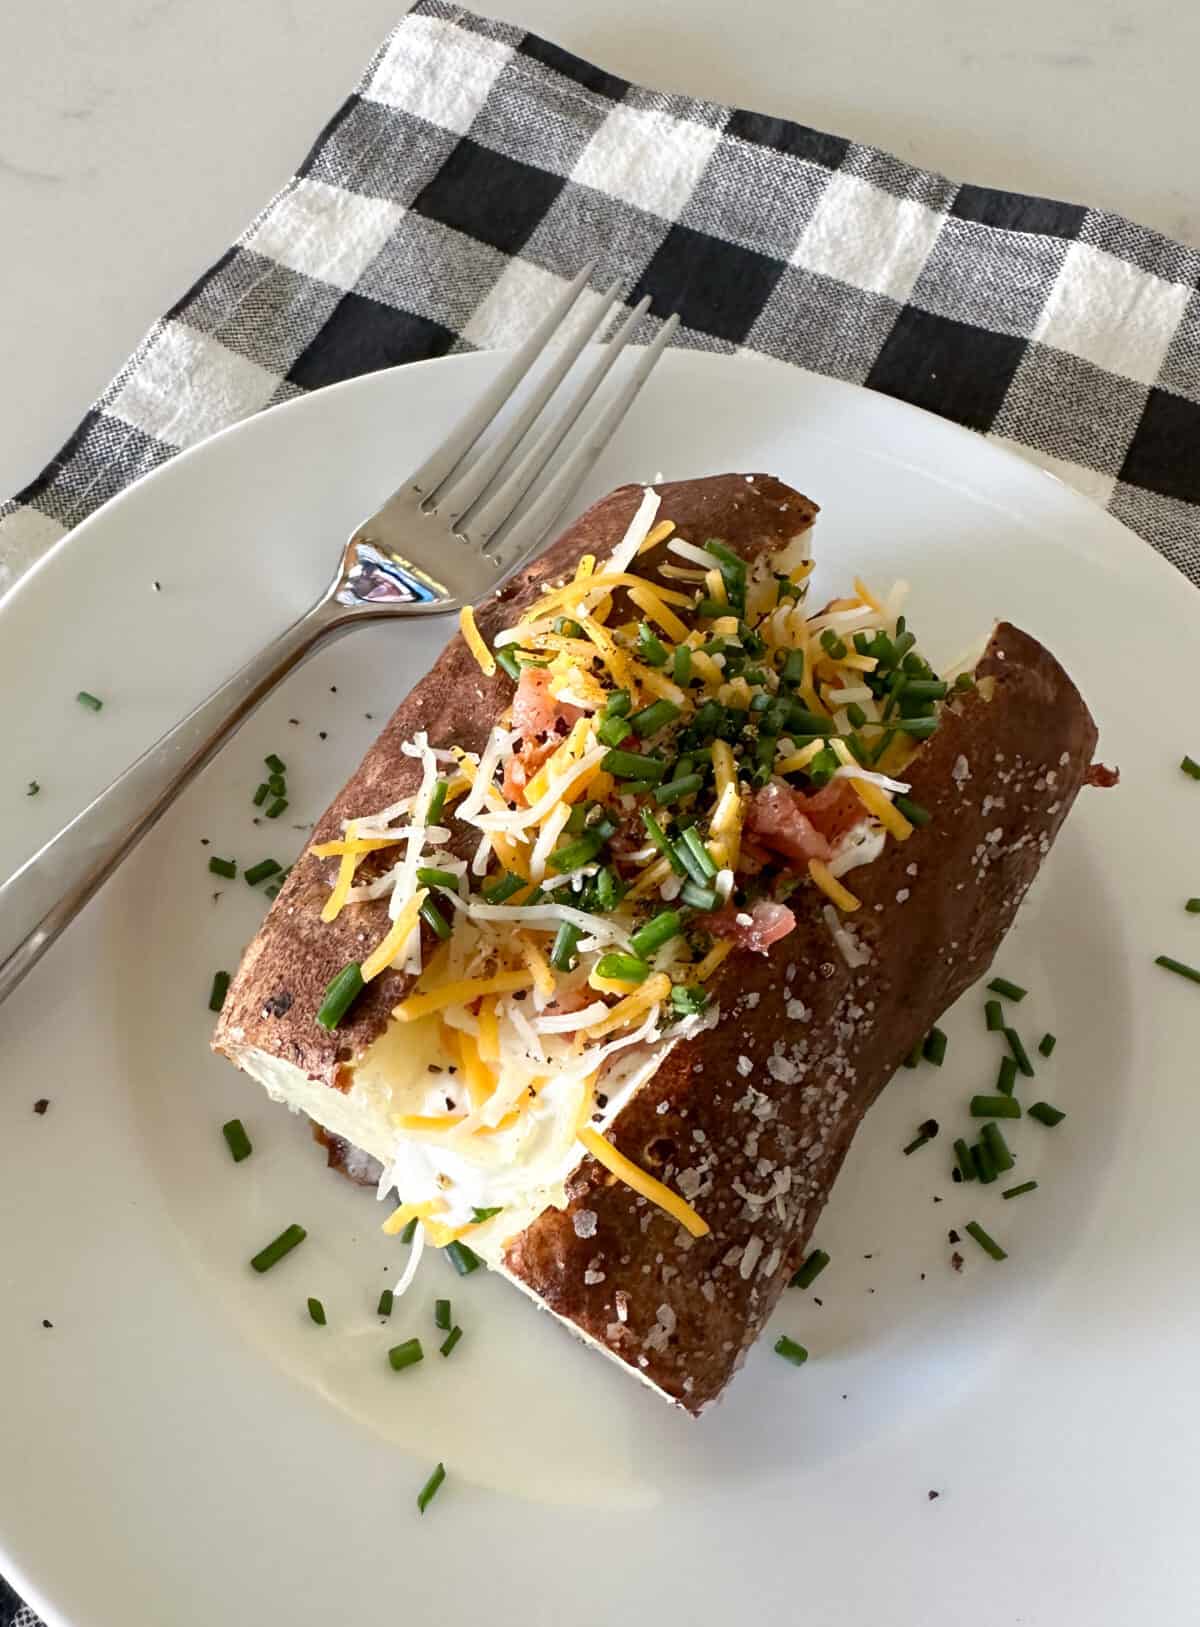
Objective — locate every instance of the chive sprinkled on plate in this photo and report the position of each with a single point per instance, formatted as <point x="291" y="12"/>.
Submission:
<point x="995" y="1107"/>
<point x="220" y="988"/>
<point x="1047" y="1115"/>
<point x="1020" y="1055"/>
<point x="988" y="1244"/>
<point x="341" y="994"/>
<point x="34" y="788"/>
<point x="1007" y="990"/>
<point x="1019" y="1191"/>
<point x="982" y="1160"/>
<point x="317" y="1311"/>
<point x="913" y="1059"/>
<point x="275" y="764"/>
<point x="1190" y="766"/>
<point x="1007" y="1078"/>
<point x="962" y="1154"/>
<point x="463" y="1259"/>
<point x="993" y="1139"/>
<point x="451" y="1339"/>
<point x="277" y="807"/>
<point x="1192" y="906"/>
<point x="791" y="1351"/>
<point x="430" y="1489"/>
<point x="386" y="1301"/>
<point x="1179" y="967"/>
<point x="441" y="1314"/>
<point x="275" y="1251"/>
<point x="994" y="1014"/>
<point x="261" y="795"/>
<point x="810" y="1270"/>
<point x="405" y="1355"/>
<point x="223" y="867"/>
<point x="92" y="702"/>
<point x="934" y="1048"/>
<point x="925" y="1134"/>
<point x="1046" y="1044"/>
<point x="237" y="1140"/>
<point x="260" y="871"/>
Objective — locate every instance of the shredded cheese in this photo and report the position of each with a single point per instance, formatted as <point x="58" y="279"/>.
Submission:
<point x="656" y="988"/>
<point x="539" y="967"/>
<point x="385" y="953"/>
<point x="357" y="845"/>
<point x="724" y="770"/>
<point x="657" y="533"/>
<point x="399" y="1218"/>
<point x="654" y="1191"/>
<point x="719" y="952"/>
<point x="648" y="601"/>
<point x="800" y="759"/>
<point x="867" y="597"/>
<point x="715" y="583"/>
<point x="831" y="886"/>
<point x="872" y="796"/>
<point x="459" y="993"/>
<point x="474" y="638"/>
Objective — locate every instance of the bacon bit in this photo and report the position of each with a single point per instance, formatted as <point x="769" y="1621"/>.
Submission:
<point x="779" y="819"/>
<point x="535" y="712"/>
<point x="767" y="924"/>
<point x="1098" y="774"/>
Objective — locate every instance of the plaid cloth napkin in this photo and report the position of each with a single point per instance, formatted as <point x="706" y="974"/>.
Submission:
<point x="476" y="167"/>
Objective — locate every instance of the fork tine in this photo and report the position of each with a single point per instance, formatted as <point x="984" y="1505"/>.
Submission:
<point x="465" y="492"/>
<point x="481" y="526"/>
<point x="434" y="471"/>
<point x="532" y="528"/>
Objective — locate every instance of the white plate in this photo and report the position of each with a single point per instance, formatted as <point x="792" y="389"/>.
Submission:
<point x="184" y="1447"/>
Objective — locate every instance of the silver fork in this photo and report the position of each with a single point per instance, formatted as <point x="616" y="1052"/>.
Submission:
<point x="453" y="531"/>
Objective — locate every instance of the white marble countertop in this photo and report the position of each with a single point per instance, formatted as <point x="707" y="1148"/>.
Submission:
<point x="137" y="137"/>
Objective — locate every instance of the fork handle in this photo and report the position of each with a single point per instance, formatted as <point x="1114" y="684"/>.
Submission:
<point x="46" y="894"/>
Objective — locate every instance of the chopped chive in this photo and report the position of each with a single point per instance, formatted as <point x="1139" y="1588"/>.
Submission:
<point x="92" y="702"/>
<point x="1019" y="1191"/>
<point x="677" y="789"/>
<point x="650" y="647"/>
<point x="934" y="1048"/>
<point x="791" y="1351"/>
<point x="410" y="1231"/>
<point x="1020" y="1054"/>
<point x="437" y="878"/>
<point x="1007" y="990"/>
<point x="508" y="663"/>
<point x="802" y="721"/>
<point x="574" y="855"/>
<point x="405" y="1355"/>
<point x="562" y="955"/>
<point x="451" y="1339"/>
<point x="435" y="920"/>
<point x="994" y="1013"/>
<point x="1192" y="906"/>
<point x="1007" y="1077"/>
<point x="386" y="1301"/>
<point x="706" y="866"/>
<point x="430" y="1489"/>
<point x="913" y="1059"/>
<point x="681" y="664"/>
<point x="1046" y="1044"/>
<point x="982" y="1160"/>
<point x="276" y="808"/>
<point x="810" y="1270"/>
<point x="647" y="940"/>
<point x="34" y="788"/>
<point x="261" y="795"/>
<point x="463" y="1259"/>
<point x="652" y="718"/>
<point x="993" y="1139"/>
<point x="1178" y="966"/>
<point x="962" y="1154"/>
<point x="317" y="1311"/>
<point x="220" y="988"/>
<point x="618" y="704"/>
<point x="275" y="1251"/>
<point x="659" y="838"/>
<point x="223" y="867"/>
<point x="632" y="765"/>
<point x="277" y="785"/>
<point x="925" y="1133"/>
<point x="237" y="1140"/>
<point x="712" y="608"/>
<point x="995" y="1107"/>
<point x="927" y="689"/>
<point x="275" y="764"/>
<point x="441" y="1314"/>
<point x="500" y="891"/>
<point x="1047" y="1115"/>
<point x="480" y="1215"/>
<point x="1188" y="765"/>
<point x="688" y="999"/>
<point x="988" y="1244"/>
<point x="912" y="811"/>
<point x="437" y="801"/>
<point x="260" y="871"/>
<point x="341" y="994"/>
<point x="628" y="968"/>
<point x="700" y="898"/>
<point x="856" y="714"/>
<point x="965" y="680"/>
<point x="273" y="891"/>
<point x="793" y="668"/>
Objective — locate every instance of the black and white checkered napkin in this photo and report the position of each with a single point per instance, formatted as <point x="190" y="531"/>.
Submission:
<point x="476" y="167"/>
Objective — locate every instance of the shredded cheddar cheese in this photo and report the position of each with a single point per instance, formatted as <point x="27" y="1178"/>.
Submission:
<point x="474" y="638"/>
<point x="644" y="1184"/>
<point x="720" y="951"/>
<point x="655" y="989"/>
<point x="831" y="886"/>
<point x="385" y="953"/>
<point x="459" y="993"/>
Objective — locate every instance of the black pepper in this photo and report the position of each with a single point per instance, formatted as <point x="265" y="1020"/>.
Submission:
<point x="42" y="1103"/>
